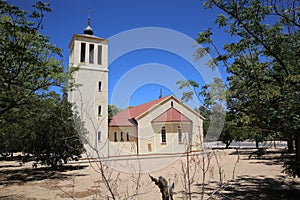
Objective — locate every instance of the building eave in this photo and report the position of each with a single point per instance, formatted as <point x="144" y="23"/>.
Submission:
<point x="169" y="97"/>
<point x="153" y="107"/>
<point x="88" y="37"/>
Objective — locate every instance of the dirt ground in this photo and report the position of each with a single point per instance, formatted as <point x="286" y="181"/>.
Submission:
<point x="229" y="174"/>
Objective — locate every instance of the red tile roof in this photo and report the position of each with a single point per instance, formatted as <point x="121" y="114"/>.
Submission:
<point x="127" y="117"/>
<point x="171" y="115"/>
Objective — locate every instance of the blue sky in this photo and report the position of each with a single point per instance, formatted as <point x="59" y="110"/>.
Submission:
<point x="115" y="20"/>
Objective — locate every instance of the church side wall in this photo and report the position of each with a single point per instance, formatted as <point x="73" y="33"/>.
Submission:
<point x="125" y="147"/>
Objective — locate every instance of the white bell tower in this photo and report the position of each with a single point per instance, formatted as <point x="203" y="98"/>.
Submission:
<point x="90" y="95"/>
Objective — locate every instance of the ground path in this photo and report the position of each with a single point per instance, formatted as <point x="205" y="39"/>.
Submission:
<point x="240" y="177"/>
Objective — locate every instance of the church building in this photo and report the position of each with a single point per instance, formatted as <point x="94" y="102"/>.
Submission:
<point x="162" y="126"/>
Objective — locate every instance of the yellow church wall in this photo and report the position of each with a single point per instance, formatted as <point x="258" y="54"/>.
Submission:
<point x="197" y="127"/>
<point x="146" y="130"/>
<point x="146" y="137"/>
<point x="172" y="144"/>
<point x="122" y="147"/>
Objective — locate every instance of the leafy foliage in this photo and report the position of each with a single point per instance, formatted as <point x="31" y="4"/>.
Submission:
<point x="112" y="111"/>
<point x="263" y="65"/>
<point x="28" y="64"/>
<point x="211" y="98"/>
<point x="33" y="118"/>
<point x="60" y="139"/>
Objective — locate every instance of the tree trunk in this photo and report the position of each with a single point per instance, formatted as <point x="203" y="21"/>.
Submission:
<point x="228" y="142"/>
<point x="297" y="161"/>
<point x="290" y="144"/>
<point x="257" y="143"/>
<point x="165" y="189"/>
<point x="297" y="147"/>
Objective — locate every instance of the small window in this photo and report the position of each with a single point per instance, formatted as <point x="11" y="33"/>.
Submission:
<point x="91" y="54"/>
<point x="99" y="110"/>
<point x="82" y="52"/>
<point x="171" y="103"/>
<point x="128" y="136"/>
<point x="179" y="134"/>
<point x="100" y="86"/>
<point x="116" y="136"/>
<point x="121" y="136"/>
<point x="99" y="55"/>
<point x="99" y="135"/>
<point x="163" y="135"/>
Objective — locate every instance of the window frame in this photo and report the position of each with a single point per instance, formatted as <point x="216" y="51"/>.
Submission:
<point x="179" y="131"/>
<point x="163" y="135"/>
<point x="99" y="136"/>
<point x="100" y="86"/>
<point x="82" y="52"/>
<point x="99" y="110"/>
<point x="91" y="53"/>
<point x="115" y="136"/>
<point x="122" y="136"/>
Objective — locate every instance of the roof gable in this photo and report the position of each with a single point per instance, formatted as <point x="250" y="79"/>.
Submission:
<point x="124" y="118"/>
<point x="171" y="115"/>
<point x="129" y="116"/>
<point x="168" y="98"/>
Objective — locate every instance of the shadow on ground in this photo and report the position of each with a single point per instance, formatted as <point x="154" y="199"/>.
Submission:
<point x="23" y="175"/>
<point x="263" y="188"/>
<point x="269" y="157"/>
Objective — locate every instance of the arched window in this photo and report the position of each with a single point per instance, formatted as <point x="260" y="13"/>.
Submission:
<point x="121" y="136"/>
<point x="99" y="110"/>
<point x="128" y="136"/>
<point x="99" y="86"/>
<point x="115" y="136"/>
<point x="99" y="135"/>
<point x="163" y="135"/>
<point x="91" y="54"/>
<point x="82" y="52"/>
<point x="179" y="130"/>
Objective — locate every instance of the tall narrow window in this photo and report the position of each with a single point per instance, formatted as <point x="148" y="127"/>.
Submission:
<point x="128" y="136"/>
<point x="100" y="86"/>
<point x="99" y="55"/>
<point x="91" y="54"/>
<point x="99" y="136"/>
<point x="121" y="136"/>
<point x="116" y="136"/>
<point x="163" y="135"/>
<point x="179" y="134"/>
<point x="99" y="110"/>
<point x="82" y="52"/>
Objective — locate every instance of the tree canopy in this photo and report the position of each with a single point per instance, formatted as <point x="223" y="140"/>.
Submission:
<point x="34" y="118"/>
<point x="28" y="60"/>
<point x="262" y="63"/>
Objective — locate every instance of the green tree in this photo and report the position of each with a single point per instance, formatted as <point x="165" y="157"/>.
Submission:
<point x="211" y="99"/>
<point x="50" y="131"/>
<point x="112" y="111"/>
<point x="263" y="64"/>
<point x="56" y="132"/>
<point x="33" y="118"/>
<point x="28" y="60"/>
